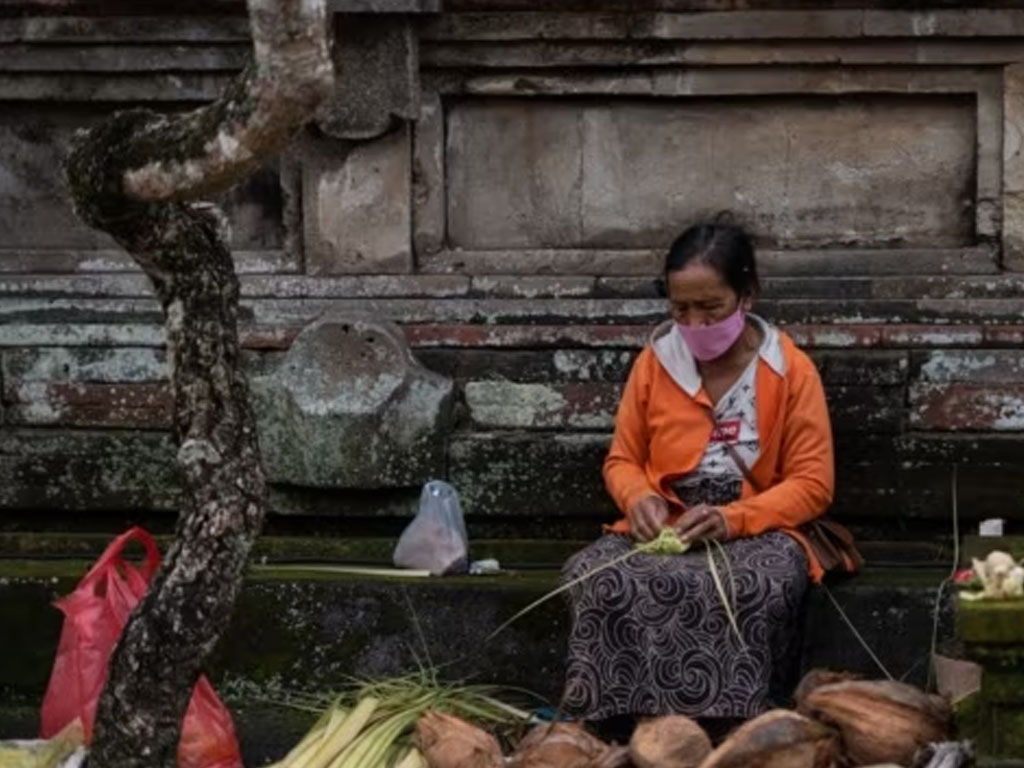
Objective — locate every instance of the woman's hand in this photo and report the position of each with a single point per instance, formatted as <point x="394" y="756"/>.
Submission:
<point x="703" y="522"/>
<point x="647" y="517"/>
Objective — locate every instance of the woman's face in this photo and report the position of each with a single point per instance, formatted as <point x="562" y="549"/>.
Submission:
<point x="699" y="295"/>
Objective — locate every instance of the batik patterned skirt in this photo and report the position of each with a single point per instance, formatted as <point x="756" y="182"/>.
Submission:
<point x="650" y="635"/>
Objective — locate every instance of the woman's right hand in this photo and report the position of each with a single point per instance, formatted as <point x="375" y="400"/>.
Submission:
<point x="647" y="517"/>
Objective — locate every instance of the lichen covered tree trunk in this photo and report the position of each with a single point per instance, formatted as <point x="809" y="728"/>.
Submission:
<point x="137" y="177"/>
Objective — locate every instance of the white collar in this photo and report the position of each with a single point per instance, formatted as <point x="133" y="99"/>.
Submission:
<point x="675" y="357"/>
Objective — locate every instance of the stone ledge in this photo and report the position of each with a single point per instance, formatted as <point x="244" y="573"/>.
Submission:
<point x="774" y="287"/>
<point x="306" y="627"/>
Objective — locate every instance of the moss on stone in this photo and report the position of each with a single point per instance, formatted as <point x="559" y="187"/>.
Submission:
<point x="351" y="549"/>
<point x="991" y="621"/>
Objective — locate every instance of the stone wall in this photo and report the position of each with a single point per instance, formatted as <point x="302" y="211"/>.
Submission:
<point x="499" y="179"/>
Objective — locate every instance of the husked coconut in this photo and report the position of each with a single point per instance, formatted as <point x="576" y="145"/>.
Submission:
<point x="880" y="721"/>
<point x="448" y="742"/>
<point x="613" y="757"/>
<point x="563" y="745"/>
<point x="673" y="741"/>
<point x="777" y="739"/>
<point x="817" y="678"/>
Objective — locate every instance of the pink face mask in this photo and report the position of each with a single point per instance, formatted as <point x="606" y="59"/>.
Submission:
<point x="707" y="342"/>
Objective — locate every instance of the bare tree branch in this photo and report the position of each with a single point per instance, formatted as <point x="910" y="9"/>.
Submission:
<point x="217" y="145"/>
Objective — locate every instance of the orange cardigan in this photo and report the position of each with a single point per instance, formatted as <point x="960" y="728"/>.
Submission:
<point x="662" y="429"/>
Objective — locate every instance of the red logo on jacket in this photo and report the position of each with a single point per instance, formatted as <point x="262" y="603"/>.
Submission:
<point x="726" y="432"/>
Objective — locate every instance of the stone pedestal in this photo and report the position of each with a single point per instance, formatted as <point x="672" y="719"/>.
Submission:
<point x="993" y="636"/>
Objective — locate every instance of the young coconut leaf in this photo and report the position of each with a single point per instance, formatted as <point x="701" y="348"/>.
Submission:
<point x="667" y="542"/>
<point x="729" y="610"/>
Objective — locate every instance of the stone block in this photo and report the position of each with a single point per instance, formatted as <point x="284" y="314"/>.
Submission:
<point x="507" y="405"/>
<point x="141" y="406"/>
<point x="158" y="90"/>
<point x="348" y="406"/>
<point x="527" y="26"/>
<point x="361" y="286"/>
<point x="935" y="336"/>
<point x="980" y="260"/>
<point x="624" y="174"/>
<point x="525" y="366"/>
<point x="86" y="470"/>
<point x="953" y="22"/>
<point x="428" y="178"/>
<point x="549" y="312"/>
<point x="858" y="409"/>
<point x="95" y="365"/>
<point x="1013" y="230"/>
<point x="992" y="634"/>
<point x="640" y="53"/>
<point x="526" y="476"/>
<point x="532" y="286"/>
<point x="983" y="366"/>
<point x="967" y="407"/>
<point x="717" y="82"/>
<point x="380" y="81"/>
<point x="1013" y="167"/>
<point x="116" y="59"/>
<point x="872" y="368"/>
<point x="540" y="261"/>
<point x="132" y="29"/>
<point x="514" y="175"/>
<point x="945" y="448"/>
<point x="357" y="209"/>
<point x="759" y="24"/>
<point x="543" y="336"/>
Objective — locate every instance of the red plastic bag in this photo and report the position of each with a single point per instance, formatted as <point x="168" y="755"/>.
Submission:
<point x="94" y="616"/>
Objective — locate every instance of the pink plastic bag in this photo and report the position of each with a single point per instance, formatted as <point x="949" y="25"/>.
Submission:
<point x="94" y="616"/>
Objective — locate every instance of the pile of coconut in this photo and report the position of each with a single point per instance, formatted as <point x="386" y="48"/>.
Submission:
<point x="838" y="722"/>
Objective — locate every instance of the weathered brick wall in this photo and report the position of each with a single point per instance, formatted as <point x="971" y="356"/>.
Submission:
<point x="501" y="184"/>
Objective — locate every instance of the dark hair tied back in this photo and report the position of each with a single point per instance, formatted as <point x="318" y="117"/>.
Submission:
<point x="722" y="245"/>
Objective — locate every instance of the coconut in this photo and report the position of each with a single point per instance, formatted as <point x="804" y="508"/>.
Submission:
<point x="448" y="742"/>
<point x="613" y="757"/>
<point x="880" y="721"/>
<point x="563" y="745"/>
<point x="817" y="678"/>
<point x="673" y="741"/>
<point x="777" y="739"/>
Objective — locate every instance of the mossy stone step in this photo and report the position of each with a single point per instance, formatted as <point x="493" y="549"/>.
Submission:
<point x="308" y="628"/>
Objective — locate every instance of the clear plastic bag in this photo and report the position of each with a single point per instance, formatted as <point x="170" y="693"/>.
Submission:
<point x="436" y="539"/>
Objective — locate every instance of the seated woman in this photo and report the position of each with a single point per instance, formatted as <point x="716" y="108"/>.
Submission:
<point x="722" y="433"/>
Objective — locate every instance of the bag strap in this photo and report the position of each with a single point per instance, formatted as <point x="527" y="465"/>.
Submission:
<point x="112" y="556"/>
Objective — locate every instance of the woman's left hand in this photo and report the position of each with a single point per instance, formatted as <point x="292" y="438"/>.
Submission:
<point x="703" y="522"/>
